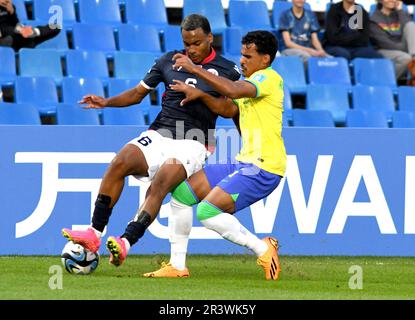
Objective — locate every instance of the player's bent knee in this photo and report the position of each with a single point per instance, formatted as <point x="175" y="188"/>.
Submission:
<point x="184" y="194"/>
<point x="206" y="210"/>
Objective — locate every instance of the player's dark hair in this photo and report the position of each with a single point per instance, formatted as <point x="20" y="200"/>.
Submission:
<point x="194" y="21"/>
<point x="265" y="41"/>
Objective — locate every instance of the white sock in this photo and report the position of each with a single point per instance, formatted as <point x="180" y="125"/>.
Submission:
<point x="98" y="233"/>
<point x="127" y="244"/>
<point x="180" y="225"/>
<point x="231" y="229"/>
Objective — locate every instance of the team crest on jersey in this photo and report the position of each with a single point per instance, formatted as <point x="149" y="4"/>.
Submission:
<point x="213" y="71"/>
<point x="259" y="77"/>
<point x="235" y="67"/>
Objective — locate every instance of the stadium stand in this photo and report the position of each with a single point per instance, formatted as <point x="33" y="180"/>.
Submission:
<point x="129" y="65"/>
<point x="145" y="12"/>
<point x="40" y="63"/>
<point x="67" y="8"/>
<point x="132" y="115"/>
<point x="7" y="66"/>
<point x="86" y="64"/>
<point x="58" y="43"/>
<point x="172" y="38"/>
<point x="143" y="38"/>
<point x="39" y="91"/>
<point x="406" y="98"/>
<point x="94" y="37"/>
<point x="249" y="15"/>
<point x="329" y="71"/>
<point x="367" y="71"/>
<point x="72" y="114"/>
<point x="73" y="88"/>
<point x="403" y="119"/>
<point x="366" y="119"/>
<point x="332" y="97"/>
<point x="231" y="41"/>
<point x="24" y="114"/>
<point x="100" y="12"/>
<point x="312" y="118"/>
<point x="214" y="12"/>
<point x="116" y="86"/>
<point x="291" y="70"/>
<point x="371" y="98"/>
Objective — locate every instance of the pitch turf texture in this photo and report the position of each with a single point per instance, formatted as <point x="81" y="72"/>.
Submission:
<point x="213" y="277"/>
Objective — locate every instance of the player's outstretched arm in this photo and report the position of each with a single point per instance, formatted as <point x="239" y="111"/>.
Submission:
<point x="221" y="106"/>
<point x="228" y="88"/>
<point x="124" y="99"/>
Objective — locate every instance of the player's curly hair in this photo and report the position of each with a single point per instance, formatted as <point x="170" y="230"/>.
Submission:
<point x="194" y="21"/>
<point x="265" y="41"/>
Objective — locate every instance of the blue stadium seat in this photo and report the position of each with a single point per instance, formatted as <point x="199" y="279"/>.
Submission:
<point x="291" y="70"/>
<point x="40" y="63"/>
<point x="212" y="10"/>
<point x="94" y="37"/>
<point x="288" y="105"/>
<point x="371" y="98"/>
<point x="374" y="72"/>
<point x="58" y="43"/>
<point x="87" y="64"/>
<point x="13" y="113"/>
<point x="366" y="119"/>
<point x="132" y="115"/>
<point x="73" y="89"/>
<point x="139" y="38"/>
<point x="280" y="6"/>
<point x="406" y="98"/>
<point x="73" y="114"/>
<point x="130" y="65"/>
<point x="312" y="118"/>
<point x="117" y="86"/>
<point x="42" y="15"/>
<point x="329" y="71"/>
<point x="153" y="113"/>
<point x="231" y="39"/>
<point x="403" y="119"/>
<point x="7" y="66"/>
<point x="39" y="91"/>
<point x="249" y="15"/>
<point x="172" y="38"/>
<point x="145" y="12"/>
<point x="333" y="98"/>
<point x="285" y="121"/>
<point x="225" y="122"/>
<point x="21" y="10"/>
<point x="100" y="12"/>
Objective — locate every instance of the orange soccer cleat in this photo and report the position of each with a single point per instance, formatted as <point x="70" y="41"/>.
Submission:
<point x="167" y="271"/>
<point x="269" y="261"/>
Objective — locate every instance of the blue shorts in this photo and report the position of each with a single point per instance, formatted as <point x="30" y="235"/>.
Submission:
<point x="245" y="182"/>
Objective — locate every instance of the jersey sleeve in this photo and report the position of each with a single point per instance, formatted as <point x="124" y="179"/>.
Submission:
<point x="284" y="22"/>
<point x="314" y="26"/>
<point x="155" y="75"/>
<point x="262" y="82"/>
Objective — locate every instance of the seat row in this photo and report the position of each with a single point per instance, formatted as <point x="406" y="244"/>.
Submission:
<point x="72" y="114"/>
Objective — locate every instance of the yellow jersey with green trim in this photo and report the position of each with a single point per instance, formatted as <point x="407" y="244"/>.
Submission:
<point x="260" y="120"/>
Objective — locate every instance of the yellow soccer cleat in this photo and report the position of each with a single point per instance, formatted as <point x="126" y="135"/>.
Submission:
<point x="269" y="261"/>
<point x="167" y="271"/>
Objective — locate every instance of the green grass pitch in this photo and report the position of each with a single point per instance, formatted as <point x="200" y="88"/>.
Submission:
<point x="230" y="277"/>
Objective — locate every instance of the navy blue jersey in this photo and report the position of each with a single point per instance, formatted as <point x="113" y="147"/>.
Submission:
<point x="179" y="120"/>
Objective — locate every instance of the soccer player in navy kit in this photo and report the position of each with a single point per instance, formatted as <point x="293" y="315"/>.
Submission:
<point x="175" y="146"/>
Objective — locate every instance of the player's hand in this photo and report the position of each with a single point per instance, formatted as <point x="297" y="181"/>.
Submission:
<point x="181" y="60"/>
<point x="93" y="102"/>
<point x="8" y="5"/>
<point x="26" y="31"/>
<point x="190" y="92"/>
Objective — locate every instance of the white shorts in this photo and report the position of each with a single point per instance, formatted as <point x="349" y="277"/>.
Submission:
<point x="157" y="149"/>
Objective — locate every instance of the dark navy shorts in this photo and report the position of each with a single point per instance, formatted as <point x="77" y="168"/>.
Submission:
<point x="245" y="182"/>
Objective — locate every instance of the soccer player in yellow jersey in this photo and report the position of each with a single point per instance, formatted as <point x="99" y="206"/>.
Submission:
<point x="223" y="189"/>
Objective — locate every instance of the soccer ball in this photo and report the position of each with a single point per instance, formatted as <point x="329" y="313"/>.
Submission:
<point x="77" y="260"/>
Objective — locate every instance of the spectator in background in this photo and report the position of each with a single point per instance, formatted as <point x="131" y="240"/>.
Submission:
<point x="392" y="32"/>
<point x="16" y="35"/>
<point x="347" y="32"/>
<point x="299" y="28"/>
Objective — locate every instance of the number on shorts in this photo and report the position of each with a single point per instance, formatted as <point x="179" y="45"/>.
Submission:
<point x="145" y="141"/>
